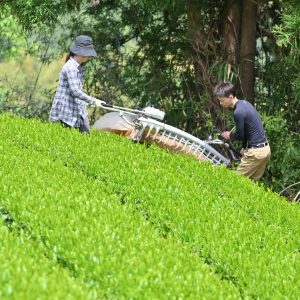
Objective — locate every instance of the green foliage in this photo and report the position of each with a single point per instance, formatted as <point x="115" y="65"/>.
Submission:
<point x="138" y="222"/>
<point x="12" y="39"/>
<point x="33" y="13"/>
<point x="288" y="31"/>
<point x="27" y="81"/>
<point x="27" y="274"/>
<point x="283" y="168"/>
<point x="83" y="224"/>
<point x="143" y="52"/>
<point x="145" y="56"/>
<point x="278" y="97"/>
<point x="281" y="74"/>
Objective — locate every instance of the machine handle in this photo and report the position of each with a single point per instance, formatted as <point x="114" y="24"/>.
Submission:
<point x="107" y="105"/>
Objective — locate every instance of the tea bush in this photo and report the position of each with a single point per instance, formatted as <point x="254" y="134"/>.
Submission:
<point x="125" y="218"/>
<point x="83" y="228"/>
<point x="27" y="274"/>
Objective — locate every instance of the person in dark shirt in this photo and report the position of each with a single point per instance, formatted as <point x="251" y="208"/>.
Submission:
<point x="249" y="129"/>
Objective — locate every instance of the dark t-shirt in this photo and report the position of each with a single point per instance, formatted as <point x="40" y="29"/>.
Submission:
<point x="249" y="127"/>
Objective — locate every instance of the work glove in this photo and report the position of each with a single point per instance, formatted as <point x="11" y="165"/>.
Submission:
<point x="99" y="102"/>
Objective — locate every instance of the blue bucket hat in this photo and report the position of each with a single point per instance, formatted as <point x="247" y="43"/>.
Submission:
<point x="83" y="45"/>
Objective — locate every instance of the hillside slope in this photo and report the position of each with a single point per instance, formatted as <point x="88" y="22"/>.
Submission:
<point x="126" y="221"/>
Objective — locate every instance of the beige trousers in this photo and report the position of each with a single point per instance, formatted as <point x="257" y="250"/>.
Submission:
<point x="254" y="162"/>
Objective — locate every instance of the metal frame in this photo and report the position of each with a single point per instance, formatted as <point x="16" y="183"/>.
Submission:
<point x="181" y="141"/>
<point x="151" y="130"/>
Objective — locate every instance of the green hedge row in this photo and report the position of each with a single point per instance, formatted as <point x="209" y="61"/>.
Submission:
<point x="84" y="228"/>
<point x="250" y="237"/>
<point x="27" y="274"/>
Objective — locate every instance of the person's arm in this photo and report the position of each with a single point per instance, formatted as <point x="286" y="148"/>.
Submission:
<point x="238" y="135"/>
<point x="75" y="86"/>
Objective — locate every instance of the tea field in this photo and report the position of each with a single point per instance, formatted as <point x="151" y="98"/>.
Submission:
<point x="105" y="218"/>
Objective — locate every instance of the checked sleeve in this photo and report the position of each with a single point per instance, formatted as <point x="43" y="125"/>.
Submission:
<point x="75" y="84"/>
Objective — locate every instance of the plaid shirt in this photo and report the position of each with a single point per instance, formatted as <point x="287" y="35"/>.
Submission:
<point x="69" y="104"/>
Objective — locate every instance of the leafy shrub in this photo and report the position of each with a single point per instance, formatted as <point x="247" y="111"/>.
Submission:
<point x="27" y="274"/>
<point x="104" y="195"/>
<point x="82" y="226"/>
<point x="283" y="168"/>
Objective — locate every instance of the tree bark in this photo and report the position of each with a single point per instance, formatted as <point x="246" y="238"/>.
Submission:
<point x="231" y="30"/>
<point x="202" y="45"/>
<point x="248" y="49"/>
<point x="239" y="41"/>
<point x="194" y="33"/>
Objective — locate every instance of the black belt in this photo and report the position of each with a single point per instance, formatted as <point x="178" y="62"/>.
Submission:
<point x="260" y="145"/>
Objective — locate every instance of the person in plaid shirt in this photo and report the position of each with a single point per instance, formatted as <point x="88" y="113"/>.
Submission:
<point x="70" y="102"/>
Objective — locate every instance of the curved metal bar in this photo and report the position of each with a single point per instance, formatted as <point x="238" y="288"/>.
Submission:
<point x="176" y="135"/>
<point x="167" y="136"/>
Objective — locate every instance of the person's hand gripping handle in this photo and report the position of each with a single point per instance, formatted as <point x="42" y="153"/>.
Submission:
<point x="100" y="103"/>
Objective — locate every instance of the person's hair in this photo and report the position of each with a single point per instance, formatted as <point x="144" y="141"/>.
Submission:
<point x="71" y="54"/>
<point x="224" y="89"/>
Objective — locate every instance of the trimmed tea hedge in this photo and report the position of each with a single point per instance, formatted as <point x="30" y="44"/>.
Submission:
<point x="248" y="236"/>
<point x="82" y="227"/>
<point x="27" y="274"/>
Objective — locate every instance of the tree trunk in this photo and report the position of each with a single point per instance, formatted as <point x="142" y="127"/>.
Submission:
<point x="194" y="28"/>
<point x="231" y="30"/>
<point x="201" y="48"/>
<point x="239" y="41"/>
<point x="248" y="49"/>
